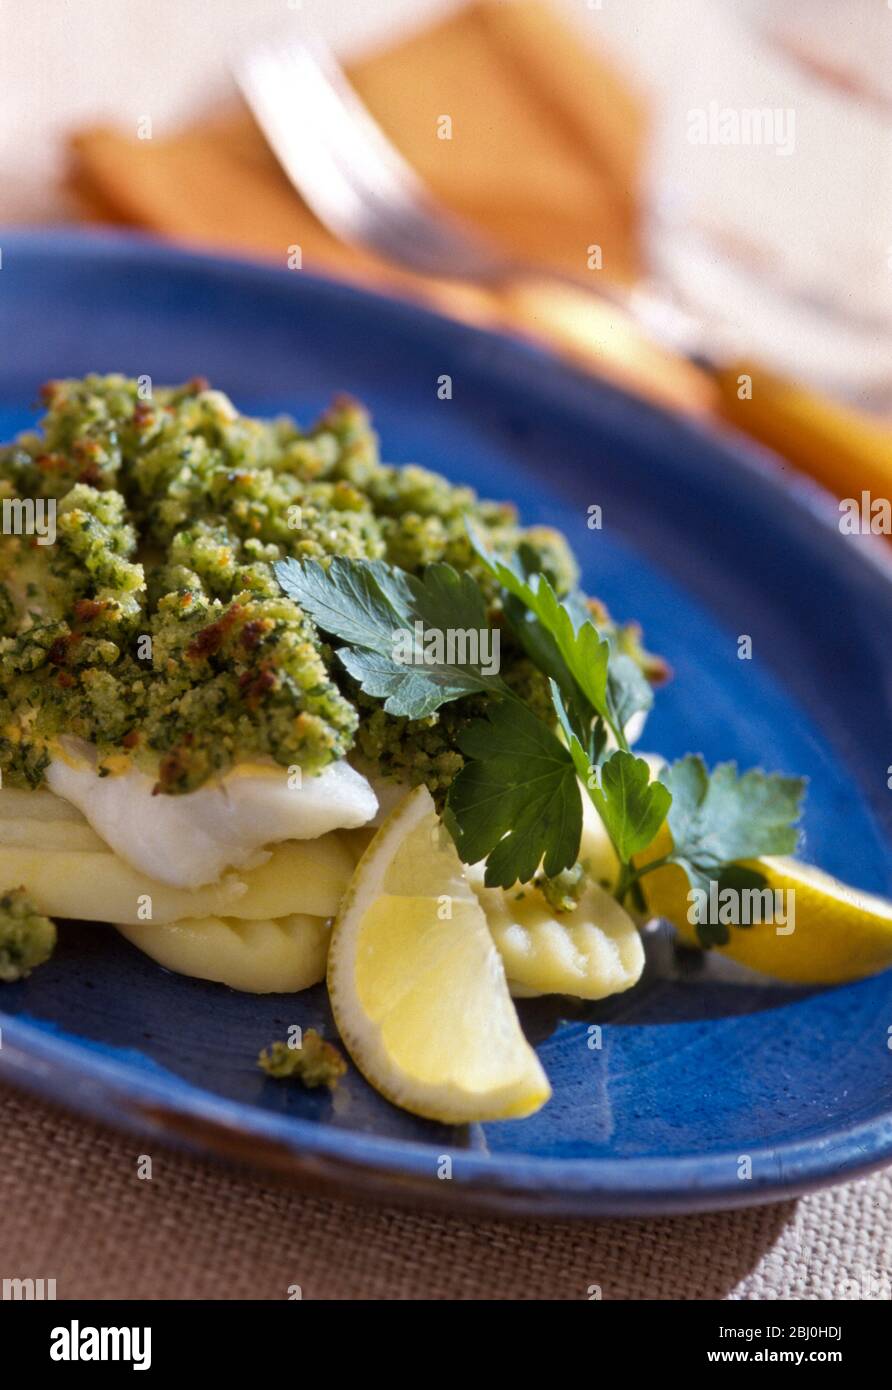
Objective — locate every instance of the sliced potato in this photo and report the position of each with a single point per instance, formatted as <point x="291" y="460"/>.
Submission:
<point x="308" y="876"/>
<point x="590" y="953"/>
<point x="300" y="875"/>
<point x="32" y="833"/>
<point x="358" y="841"/>
<point x="265" y="957"/>
<point x="17" y="803"/>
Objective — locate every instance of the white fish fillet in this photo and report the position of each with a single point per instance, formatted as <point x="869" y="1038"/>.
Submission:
<point x="190" y="840"/>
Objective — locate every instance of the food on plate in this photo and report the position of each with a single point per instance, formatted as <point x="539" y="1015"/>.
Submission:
<point x="257" y="955"/>
<point x="417" y="987"/>
<point x="70" y="872"/>
<point x="589" y="948"/>
<point x="276" y="708"/>
<point x="309" y="1059"/>
<point x="27" y="938"/>
<point x="839" y="933"/>
<point x="227" y="823"/>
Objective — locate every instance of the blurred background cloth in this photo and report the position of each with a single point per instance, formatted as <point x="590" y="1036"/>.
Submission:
<point x="545" y="158"/>
<point x="547" y="148"/>
<point x="556" y="148"/>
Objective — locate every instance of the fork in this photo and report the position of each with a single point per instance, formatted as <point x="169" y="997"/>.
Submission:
<point x="362" y="189"/>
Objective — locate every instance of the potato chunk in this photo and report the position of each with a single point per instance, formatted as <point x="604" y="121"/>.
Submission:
<point x="307" y="876"/>
<point x="590" y="953"/>
<point x="265" y="957"/>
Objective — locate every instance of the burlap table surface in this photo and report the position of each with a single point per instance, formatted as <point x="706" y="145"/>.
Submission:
<point x="75" y="1210"/>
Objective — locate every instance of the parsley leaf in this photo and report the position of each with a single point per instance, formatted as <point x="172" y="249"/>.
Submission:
<point x="628" y="690"/>
<point x="358" y="601"/>
<point x="516" y="799"/>
<point x="571" y="652"/>
<point x="415" y="642"/>
<point x="560" y="637"/>
<point x="723" y="817"/>
<point x="408" y="690"/>
<point x="631" y="806"/>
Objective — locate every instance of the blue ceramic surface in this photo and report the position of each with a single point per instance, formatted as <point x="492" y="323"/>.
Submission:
<point x="703" y="540"/>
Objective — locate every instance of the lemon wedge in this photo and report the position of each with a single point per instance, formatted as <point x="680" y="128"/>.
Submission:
<point x="838" y="934"/>
<point x="417" y="987"/>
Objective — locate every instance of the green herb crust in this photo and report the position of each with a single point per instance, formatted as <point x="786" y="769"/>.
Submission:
<point x="315" y="1063"/>
<point x="155" y="627"/>
<point x="27" y="938"/>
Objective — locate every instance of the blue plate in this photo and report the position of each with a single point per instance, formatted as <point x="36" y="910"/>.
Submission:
<point x="703" y="539"/>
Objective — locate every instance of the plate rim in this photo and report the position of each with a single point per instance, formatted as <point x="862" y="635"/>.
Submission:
<point x="48" y="1063"/>
<point x="504" y="1183"/>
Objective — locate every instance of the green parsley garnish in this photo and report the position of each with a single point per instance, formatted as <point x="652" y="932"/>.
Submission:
<point x="367" y="603"/>
<point x="723" y="817"/>
<point x="517" y="801"/>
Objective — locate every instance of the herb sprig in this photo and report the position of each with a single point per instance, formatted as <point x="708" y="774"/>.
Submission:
<point x="366" y="603"/>
<point x="517" y="802"/>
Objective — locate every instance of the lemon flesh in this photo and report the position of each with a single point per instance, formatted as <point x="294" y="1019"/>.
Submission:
<point x="417" y="987"/>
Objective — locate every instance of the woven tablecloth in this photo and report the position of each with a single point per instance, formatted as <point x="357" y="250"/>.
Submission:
<point x="75" y="1210"/>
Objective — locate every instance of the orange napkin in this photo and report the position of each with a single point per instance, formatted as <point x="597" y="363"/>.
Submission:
<point x="545" y="159"/>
